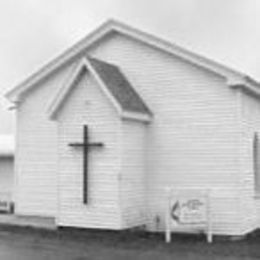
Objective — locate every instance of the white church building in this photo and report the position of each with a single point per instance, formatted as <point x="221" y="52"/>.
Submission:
<point x="104" y="128"/>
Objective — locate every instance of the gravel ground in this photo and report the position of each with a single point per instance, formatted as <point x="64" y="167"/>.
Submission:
<point x="68" y="244"/>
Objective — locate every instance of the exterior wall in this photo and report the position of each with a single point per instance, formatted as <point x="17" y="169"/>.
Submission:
<point x="133" y="174"/>
<point x="6" y="175"/>
<point x="87" y="105"/>
<point x="250" y="114"/>
<point x="36" y="151"/>
<point x="193" y="140"/>
<point x="196" y="140"/>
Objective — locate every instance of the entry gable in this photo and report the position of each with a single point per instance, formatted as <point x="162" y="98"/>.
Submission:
<point x="113" y="83"/>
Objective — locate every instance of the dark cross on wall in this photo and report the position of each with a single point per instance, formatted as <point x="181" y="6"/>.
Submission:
<point x="85" y="145"/>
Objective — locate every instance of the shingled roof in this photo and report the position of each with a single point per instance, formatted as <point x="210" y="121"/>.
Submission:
<point x="119" y="87"/>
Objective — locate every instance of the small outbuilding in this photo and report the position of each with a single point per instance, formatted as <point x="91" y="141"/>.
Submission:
<point x="6" y="168"/>
<point x="104" y="128"/>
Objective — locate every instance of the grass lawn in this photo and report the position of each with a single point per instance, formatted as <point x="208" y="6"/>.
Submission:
<point x="66" y="244"/>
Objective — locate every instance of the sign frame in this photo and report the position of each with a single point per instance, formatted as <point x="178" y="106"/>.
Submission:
<point x="172" y="221"/>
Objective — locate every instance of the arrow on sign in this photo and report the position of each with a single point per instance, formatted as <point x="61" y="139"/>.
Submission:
<point x="175" y="211"/>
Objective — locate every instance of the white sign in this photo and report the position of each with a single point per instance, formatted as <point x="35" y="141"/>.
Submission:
<point x="188" y="208"/>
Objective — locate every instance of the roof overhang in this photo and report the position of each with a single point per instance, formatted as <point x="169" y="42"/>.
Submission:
<point x="248" y="86"/>
<point x="233" y="77"/>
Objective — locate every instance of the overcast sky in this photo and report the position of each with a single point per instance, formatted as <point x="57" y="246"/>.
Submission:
<point x="32" y="32"/>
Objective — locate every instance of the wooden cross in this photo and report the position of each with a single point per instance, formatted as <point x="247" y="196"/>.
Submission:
<point x="85" y="146"/>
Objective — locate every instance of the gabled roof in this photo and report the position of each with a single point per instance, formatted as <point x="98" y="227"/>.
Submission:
<point x="6" y="146"/>
<point x="119" y="87"/>
<point x="233" y="77"/>
<point x="114" y="84"/>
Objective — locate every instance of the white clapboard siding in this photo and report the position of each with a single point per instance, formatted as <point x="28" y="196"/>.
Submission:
<point x="250" y="118"/>
<point x="88" y="105"/>
<point x="133" y="177"/>
<point x="36" y="155"/>
<point x="192" y="140"/>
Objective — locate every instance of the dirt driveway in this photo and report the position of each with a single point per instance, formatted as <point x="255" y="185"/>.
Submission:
<point x="29" y="244"/>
